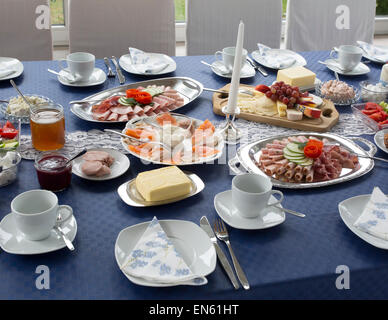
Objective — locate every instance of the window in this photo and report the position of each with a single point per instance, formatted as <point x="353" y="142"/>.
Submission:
<point x="59" y="22"/>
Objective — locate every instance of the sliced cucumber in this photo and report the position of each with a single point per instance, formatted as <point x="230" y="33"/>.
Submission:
<point x="288" y="153"/>
<point x="304" y="162"/>
<point x="10" y="145"/>
<point x="124" y="101"/>
<point x="154" y="91"/>
<point x="294" y="147"/>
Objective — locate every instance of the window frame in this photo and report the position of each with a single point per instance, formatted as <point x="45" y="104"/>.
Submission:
<point x="60" y="33"/>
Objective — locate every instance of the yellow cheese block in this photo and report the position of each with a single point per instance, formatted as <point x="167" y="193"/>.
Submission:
<point x="297" y="76"/>
<point x="163" y="184"/>
<point x="282" y="109"/>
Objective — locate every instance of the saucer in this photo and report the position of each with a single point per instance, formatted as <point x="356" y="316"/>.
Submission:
<point x="247" y="70"/>
<point x="13" y="64"/>
<point x="13" y="241"/>
<point x="98" y="77"/>
<point x="225" y="209"/>
<point x="358" y="70"/>
<point x="118" y="168"/>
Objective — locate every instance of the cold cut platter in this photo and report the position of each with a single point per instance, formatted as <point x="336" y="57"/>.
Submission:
<point x="135" y="100"/>
<point x="307" y="160"/>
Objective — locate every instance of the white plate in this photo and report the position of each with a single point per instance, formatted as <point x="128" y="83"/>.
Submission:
<point x="13" y="241"/>
<point x="226" y="210"/>
<point x="129" y="194"/>
<point x="125" y="63"/>
<point x="350" y="209"/>
<point x="247" y="70"/>
<point x="13" y="64"/>
<point x="379" y="140"/>
<point x="299" y="60"/>
<point x="118" y="168"/>
<point x="189" y="239"/>
<point x="359" y="70"/>
<point x="98" y="77"/>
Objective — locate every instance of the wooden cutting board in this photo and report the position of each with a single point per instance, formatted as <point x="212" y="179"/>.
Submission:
<point x="328" y="119"/>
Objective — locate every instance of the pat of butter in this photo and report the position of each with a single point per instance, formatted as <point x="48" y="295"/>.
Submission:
<point x="297" y="76"/>
<point x="163" y="184"/>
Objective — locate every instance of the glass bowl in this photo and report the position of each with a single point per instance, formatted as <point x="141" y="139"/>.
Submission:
<point x="372" y="95"/>
<point x="14" y="118"/>
<point x="357" y="112"/>
<point x="338" y="102"/>
<point x="9" y="174"/>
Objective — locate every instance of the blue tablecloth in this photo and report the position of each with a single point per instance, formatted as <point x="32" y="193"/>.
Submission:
<point x="297" y="259"/>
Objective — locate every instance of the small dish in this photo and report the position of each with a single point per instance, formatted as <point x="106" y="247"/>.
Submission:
<point x="338" y="102"/>
<point x="9" y="175"/>
<point x="129" y="194"/>
<point x="12" y="64"/>
<point x="118" y="168"/>
<point x="189" y="240"/>
<point x="360" y="69"/>
<point x="98" y="77"/>
<point x="350" y="209"/>
<point x="13" y="241"/>
<point x="372" y="95"/>
<point x="126" y="64"/>
<point x="379" y="140"/>
<point x="23" y="119"/>
<point x="225" y="209"/>
<point x="299" y="60"/>
<point x="372" y="124"/>
<point x="247" y="70"/>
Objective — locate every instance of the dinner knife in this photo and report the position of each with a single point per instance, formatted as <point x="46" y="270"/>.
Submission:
<point x="205" y="225"/>
<point x="257" y="67"/>
<point x="118" y="70"/>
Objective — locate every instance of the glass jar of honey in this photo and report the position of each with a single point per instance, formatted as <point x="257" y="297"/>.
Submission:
<point x="47" y="127"/>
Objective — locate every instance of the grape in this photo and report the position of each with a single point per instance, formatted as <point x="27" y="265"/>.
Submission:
<point x="273" y="90"/>
<point x="286" y="101"/>
<point x="292" y="100"/>
<point x="274" y="97"/>
<point x="305" y="94"/>
<point x="295" y="89"/>
<point x="280" y="83"/>
<point x="268" y="94"/>
<point x="295" y="94"/>
<point x="288" y="92"/>
<point x="281" y="97"/>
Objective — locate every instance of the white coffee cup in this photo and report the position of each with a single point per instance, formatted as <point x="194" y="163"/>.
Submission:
<point x="35" y="213"/>
<point x="227" y="57"/>
<point x="80" y="64"/>
<point x="251" y="193"/>
<point x="348" y="56"/>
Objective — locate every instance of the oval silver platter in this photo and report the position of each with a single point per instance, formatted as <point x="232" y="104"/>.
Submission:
<point x="221" y="144"/>
<point x="129" y="194"/>
<point x="248" y="156"/>
<point x="189" y="89"/>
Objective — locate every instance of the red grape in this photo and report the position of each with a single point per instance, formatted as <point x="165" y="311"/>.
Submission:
<point x="286" y="100"/>
<point x="295" y="94"/>
<point x="292" y="100"/>
<point x="274" y="97"/>
<point x="268" y="94"/>
<point x="288" y="92"/>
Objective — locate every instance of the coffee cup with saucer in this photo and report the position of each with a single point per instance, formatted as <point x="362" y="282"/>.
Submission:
<point x="250" y="204"/>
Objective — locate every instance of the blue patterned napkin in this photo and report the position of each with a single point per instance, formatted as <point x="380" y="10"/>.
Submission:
<point x="276" y="61"/>
<point x="374" y="218"/>
<point x="372" y="51"/>
<point x="155" y="259"/>
<point x="146" y="63"/>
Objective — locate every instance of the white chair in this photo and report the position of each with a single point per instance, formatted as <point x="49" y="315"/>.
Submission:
<point x="213" y="24"/>
<point x="21" y="35"/>
<point x="109" y="27"/>
<point x="321" y="25"/>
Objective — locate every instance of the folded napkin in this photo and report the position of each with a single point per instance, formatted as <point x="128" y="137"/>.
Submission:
<point x="146" y="63"/>
<point x="5" y="72"/>
<point x="372" y="51"/>
<point x="374" y="218"/>
<point x="155" y="259"/>
<point x="278" y="61"/>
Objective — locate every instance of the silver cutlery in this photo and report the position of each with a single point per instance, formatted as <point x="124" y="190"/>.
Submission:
<point x="332" y="65"/>
<point x="118" y="70"/>
<point x="20" y="93"/>
<point x="222" y="234"/>
<point x="205" y="225"/>
<point x="223" y="72"/>
<point x="257" y="67"/>
<point x="111" y="74"/>
<point x="60" y="232"/>
<point x="4" y="101"/>
<point x="69" y="77"/>
<point x="295" y="213"/>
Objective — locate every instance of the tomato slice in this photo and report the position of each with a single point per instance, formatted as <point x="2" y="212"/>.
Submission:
<point x="9" y="133"/>
<point x="8" y="124"/>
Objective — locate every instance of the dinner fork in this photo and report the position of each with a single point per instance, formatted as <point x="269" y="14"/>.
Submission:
<point x="222" y="234"/>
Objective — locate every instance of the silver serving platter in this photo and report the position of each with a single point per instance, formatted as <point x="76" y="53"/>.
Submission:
<point x="129" y="194"/>
<point x="189" y="89"/>
<point x="247" y="157"/>
<point x="132" y="124"/>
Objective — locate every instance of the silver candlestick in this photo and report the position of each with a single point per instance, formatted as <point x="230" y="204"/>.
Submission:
<point x="231" y="133"/>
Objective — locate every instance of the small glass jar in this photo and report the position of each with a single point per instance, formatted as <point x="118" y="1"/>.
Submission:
<point x="52" y="171"/>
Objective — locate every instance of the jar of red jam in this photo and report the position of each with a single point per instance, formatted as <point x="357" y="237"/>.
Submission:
<point x="53" y="172"/>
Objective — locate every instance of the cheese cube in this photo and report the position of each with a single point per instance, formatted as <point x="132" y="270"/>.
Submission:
<point x="297" y="76"/>
<point x="282" y="109"/>
<point x="163" y="184"/>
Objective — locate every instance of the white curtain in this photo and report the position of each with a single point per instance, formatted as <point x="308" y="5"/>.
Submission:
<point x="25" y="29"/>
<point x="213" y="24"/>
<point x="109" y="27"/>
<point x="321" y="25"/>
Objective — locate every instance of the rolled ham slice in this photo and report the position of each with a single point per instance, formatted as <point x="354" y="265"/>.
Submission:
<point x="123" y="118"/>
<point x="122" y="110"/>
<point x="138" y="110"/>
<point x="113" y="117"/>
<point x="290" y="173"/>
<point x="270" y="170"/>
<point x="101" y="116"/>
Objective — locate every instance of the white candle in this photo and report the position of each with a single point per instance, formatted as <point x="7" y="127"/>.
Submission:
<point x="235" y="84"/>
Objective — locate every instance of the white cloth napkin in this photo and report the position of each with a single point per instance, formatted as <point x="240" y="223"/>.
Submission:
<point x="372" y="51"/>
<point x="145" y="63"/>
<point x="278" y="61"/>
<point x="374" y="218"/>
<point x="5" y="72"/>
<point x="155" y="259"/>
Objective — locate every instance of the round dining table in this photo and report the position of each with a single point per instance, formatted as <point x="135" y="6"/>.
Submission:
<point x="300" y="259"/>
